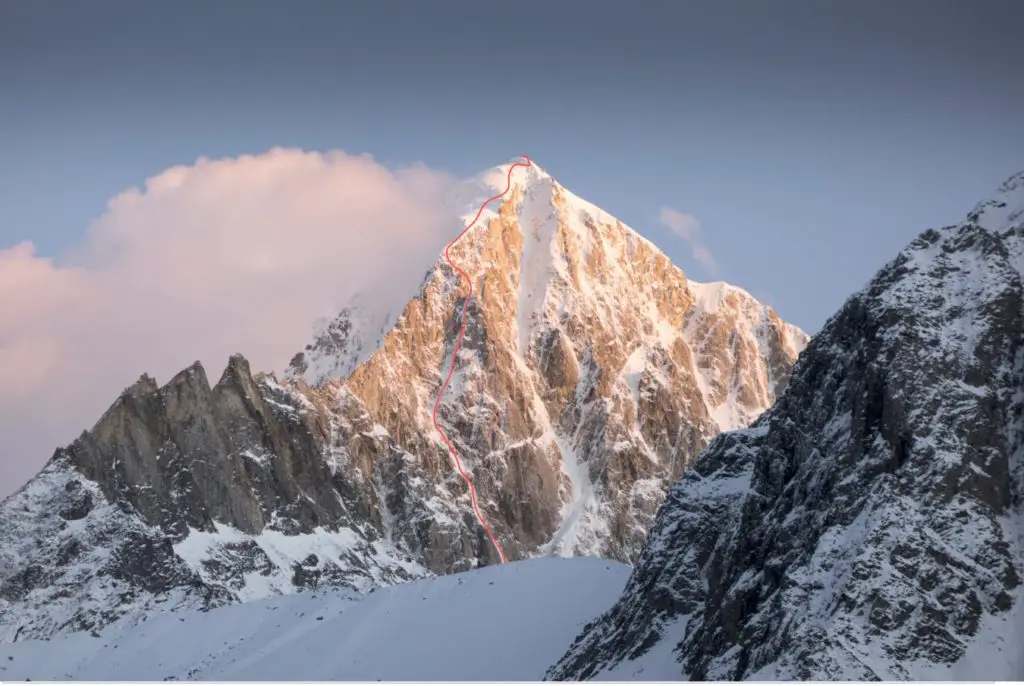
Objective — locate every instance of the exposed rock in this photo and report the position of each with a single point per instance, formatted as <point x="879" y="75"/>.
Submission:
<point x="870" y="525"/>
<point x="591" y="373"/>
<point x="188" y="496"/>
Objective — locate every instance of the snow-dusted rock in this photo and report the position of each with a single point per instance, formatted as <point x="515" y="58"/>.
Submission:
<point x="592" y="372"/>
<point x="870" y="525"/>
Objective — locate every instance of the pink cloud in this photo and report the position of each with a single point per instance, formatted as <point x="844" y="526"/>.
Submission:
<point x="221" y="256"/>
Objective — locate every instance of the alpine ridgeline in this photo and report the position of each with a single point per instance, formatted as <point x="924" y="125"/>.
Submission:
<point x="870" y="525"/>
<point x="591" y="373"/>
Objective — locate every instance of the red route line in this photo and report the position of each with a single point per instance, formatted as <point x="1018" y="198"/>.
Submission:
<point x="455" y="354"/>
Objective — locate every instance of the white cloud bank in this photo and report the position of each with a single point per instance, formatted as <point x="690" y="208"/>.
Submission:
<point x="687" y="227"/>
<point x="223" y="256"/>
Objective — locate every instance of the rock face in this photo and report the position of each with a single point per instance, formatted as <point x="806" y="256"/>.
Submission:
<point x="591" y="373"/>
<point x="192" y="496"/>
<point x="871" y="524"/>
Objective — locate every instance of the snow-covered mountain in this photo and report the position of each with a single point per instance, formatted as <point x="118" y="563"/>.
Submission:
<point x="870" y="525"/>
<point x="592" y="371"/>
<point x="591" y="374"/>
<point x="188" y="496"/>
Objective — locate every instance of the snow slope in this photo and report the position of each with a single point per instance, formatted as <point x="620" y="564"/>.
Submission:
<point x="508" y="622"/>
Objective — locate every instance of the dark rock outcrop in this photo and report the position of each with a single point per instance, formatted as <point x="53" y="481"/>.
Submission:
<point x="191" y="496"/>
<point x="869" y="525"/>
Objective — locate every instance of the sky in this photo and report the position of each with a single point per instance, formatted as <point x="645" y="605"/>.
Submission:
<point x="182" y="180"/>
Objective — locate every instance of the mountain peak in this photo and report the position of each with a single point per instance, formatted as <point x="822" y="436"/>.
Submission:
<point x="1004" y="209"/>
<point x="565" y="244"/>
<point x="469" y="195"/>
<point x="521" y="176"/>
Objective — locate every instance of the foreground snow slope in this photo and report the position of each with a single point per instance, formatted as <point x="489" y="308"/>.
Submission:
<point x="497" y="623"/>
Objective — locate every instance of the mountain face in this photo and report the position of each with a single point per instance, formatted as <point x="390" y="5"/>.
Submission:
<point x="191" y="497"/>
<point x="871" y="524"/>
<point x="592" y="372"/>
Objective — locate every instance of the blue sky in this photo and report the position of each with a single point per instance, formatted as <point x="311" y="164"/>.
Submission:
<point x="810" y="140"/>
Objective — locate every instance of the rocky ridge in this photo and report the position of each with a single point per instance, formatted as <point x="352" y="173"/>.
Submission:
<point x="191" y="496"/>
<point x="870" y="525"/>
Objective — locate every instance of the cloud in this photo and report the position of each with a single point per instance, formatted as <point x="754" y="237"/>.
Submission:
<point x="228" y="255"/>
<point x="687" y="227"/>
